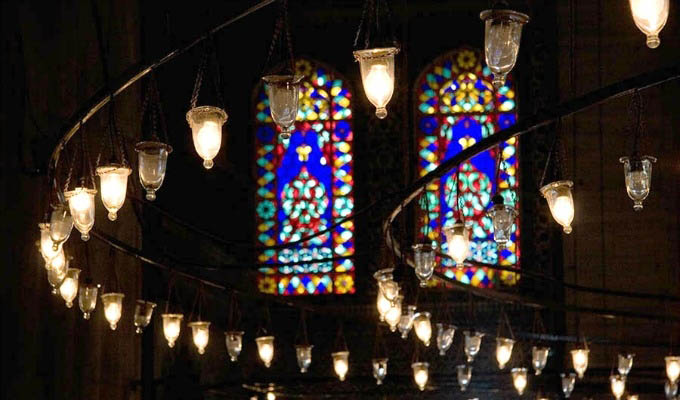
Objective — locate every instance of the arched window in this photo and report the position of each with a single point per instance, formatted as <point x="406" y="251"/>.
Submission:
<point x="456" y="107"/>
<point x="304" y="185"/>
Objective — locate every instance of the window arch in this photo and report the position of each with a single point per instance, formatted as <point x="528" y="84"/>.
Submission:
<point x="304" y="185"/>
<point x="455" y="108"/>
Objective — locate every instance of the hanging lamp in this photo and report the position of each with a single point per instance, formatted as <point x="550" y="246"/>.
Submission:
<point x="379" y="370"/>
<point x="445" y="333"/>
<point x="579" y="358"/>
<point x="393" y="315"/>
<point x="87" y="298"/>
<point x="61" y="225"/>
<point x="421" y="374"/>
<point x="341" y="364"/>
<point x="617" y="384"/>
<point x="406" y="321"/>
<point x="46" y="244"/>
<point x="200" y="332"/>
<point x="423" y="327"/>
<point x="265" y="349"/>
<point x="568" y="382"/>
<point x="473" y="343"/>
<point x="172" y="325"/>
<point x="143" y="313"/>
<point x="670" y="389"/>
<point x="519" y="379"/>
<point x="503" y="219"/>
<point x="234" y="342"/>
<point x="303" y="352"/>
<point x="113" y="308"/>
<point x="650" y="17"/>
<point x="561" y="203"/>
<point x="424" y="260"/>
<point x="503" y="351"/>
<point x="81" y="205"/>
<point x="69" y="286"/>
<point x="458" y="242"/>
<point x="539" y="358"/>
<point x="672" y="368"/>
<point x="464" y="375"/>
<point x="502" y="36"/>
<point x="625" y="363"/>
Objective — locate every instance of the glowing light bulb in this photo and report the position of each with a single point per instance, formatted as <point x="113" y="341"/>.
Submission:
<point x="113" y="308"/>
<point x="172" y="325"/>
<point x="519" y="379"/>
<point x="673" y="368"/>
<point x="377" y="76"/>
<point x="234" y="342"/>
<point x="561" y="203"/>
<point x="379" y="369"/>
<point x="200" y="331"/>
<point x="423" y="327"/>
<point x="271" y="395"/>
<point x="579" y="358"/>
<point x="503" y="351"/>
<point x="421" y="374"/>
<point x="383" y="305"/>
<point x="113" y="183"/>
<point x="539" y="358"/>
<point x="61" y="225"/>
<point x="47" y="249"/>
<point x="206" y="130"/>
<point x="393" y="315"/>
<point x="265" y="348"/>
<point x="303" y="352"/>
<point x="458" y="242"/>
<point x="81" y="205"/>
<point x="341" y="364"/>
<point x="568" y="382"/>
<point x="69" y="287"/>
<point x="650" y="17"/>
<point x="58" y="263"/>
<point x="618" y="385"/>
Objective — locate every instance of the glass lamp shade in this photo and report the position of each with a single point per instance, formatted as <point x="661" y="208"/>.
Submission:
<point x="153" y="160"/>
<point x="172" y="325"/>
<point x="638" y="177"/>
<point x="670" y="389"/>
<point x="421" y="374"/>
<point x="377" y="76"/>
<point x="379" y="369"/>
<point x="458" y="242"/>
<point x="55" y="277"/>
<point x="200" y="331"/>
<point x="61" y="225"/>
<point x="57" y="263"/>
<point x="113" y="184"/>
<point x="113" y="308"/>
<point x="424" y="257"/>
<point x="672" y="368"/>
<point x="283" y="92"/>
<point x="579" y="358"/>
<point x="568" y="381"/>
<point x="206" y="130"/>
<point x="303" y="352"/>
<point x="539" y="358"/>
<point x="265" y="348"/>
<point x="625" y="363"/>
<point x="393" y="315"/>
<point x="519" y="379"/>
<point x="561" y="203"/>
<point x="69" y="286"/>
<point x="341" y="364"/>
<point x="143" y="313"/>
<point x="423" y="327"/>
<point x="46" y="247"/>
<point x="502" y="35"/>
<point x="81" y="205"/>
<point x="633" y="397"/>
<point x="234" y="341"/>
<point x="503" y="218"/>
<point x="503" y="351"/>
<point x="464" y="374"/>
<point x="383" y="305"/>
<point x="406" y="321"/>
<point x="618" y="385"/>
<point x="386" y="284"/>
<point x="87" y="299"/>
<point x="473" y="342"/>
<point x="650" y="17"/>
<point x="445" y="335"/>
<point x="271" y="395"/>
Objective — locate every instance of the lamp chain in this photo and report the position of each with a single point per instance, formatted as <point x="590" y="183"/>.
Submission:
<point x="281" y="28"/>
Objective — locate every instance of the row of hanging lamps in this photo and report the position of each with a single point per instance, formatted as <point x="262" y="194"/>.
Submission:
<point x="172" y="325"/>
<point x="458" y="242"/>
<point x="473" y="343"/>
<point x="502" y="35"/>
<point x="234" y="343"/>
<point x="625" y="363"/>
<point x="406" y="321"/>
<point x="379" y="369"/>
<point x="519" y="379"/>
<point x="504" y="351"/>
<point x="568" y="382"/>
<point x="423" y="327"/>
<point x="617" y="384"/>
<point x="87" y="298"/>
<point x="539" y="358"/>
<point x="113" y="308"/>
<point x="464" y="375"/>
<point x="672" y="368"/>
<point x="445" y="333"/>
<point x="143" y="313"/>
<point x="421" y="374"/>
<point x="265" y="349"/>
<point x="650" y="17"/>
<point x="579" y="358"/>
<point x="303" y="353"/>
<point x="61" y="225"/>
<point x="424" y="260"/>
<point x="69" y="286"/>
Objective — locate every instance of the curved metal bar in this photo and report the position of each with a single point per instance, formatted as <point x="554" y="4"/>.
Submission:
<point x="541" y="119"/>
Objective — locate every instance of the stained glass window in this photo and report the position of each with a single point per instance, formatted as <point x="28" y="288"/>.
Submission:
<point x="304" y="185"/>
<point x="457" y="107"/>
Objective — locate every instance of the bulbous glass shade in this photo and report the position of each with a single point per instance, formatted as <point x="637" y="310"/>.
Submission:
<point x="423" y="327"/>
<point x="303" y="353"/>
<point x="386" y="284"/>
<point x="393" y="315"/>
<point x="458" y="242"/>
<point x="271" y="396"/>
<point x="618" y="385"/>
<point x="672" y="368"/>
<point x="61" y="225"/>
<point x="379" y="369"/>
<point x="421" y="374"/>
<point x="633" y="397"/>
<point x="464" y="374"/>
<point x="58" y="263"/>
<point x="206" y="130"/>
<point x="473" y="342"/>
<point x="383" y="305"/>
<point x="445" y="335"/>
<point x="638" y="177"/>
<point x="650" y="17"/>
<point x="377" y="76"/>
<point x="55" y="277"/>
<point x="406" y="321"/>
<point x="265" y="348"/>
<point x="234" y="341"/>
<point x="113" y="308"/>
<point x="519" y="379"/>
<point x="143" y="313"/>
<point x="283" y="92"/>
<point x="625" y="363"/>
<point x="87" y="299"/>
<point x="558" y="195"/>
<point x="503" y="218"/>
<point x="423" y="258"/>
<point x="81" y="205"/>
<point x="579" y="358"/>
<point x="113" y="185"/>
<point x="172" y="325"/>
<point x="200" y="331"/>
<point x="539" y="358"/>
<point x="502" y="35"/>
<point x="670" y="389"/>
<point x="503" y="351"/>
<point x="69" y="286"/>
<point x="46" y="247"/>
<point x="568" y="381"/>
<point x="153" y="160"/>
<point x="341" y="364"/>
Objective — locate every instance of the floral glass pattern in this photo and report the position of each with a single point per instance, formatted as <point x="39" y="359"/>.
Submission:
<point x="304" y="185"/>
<point x="456" y="107"/>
